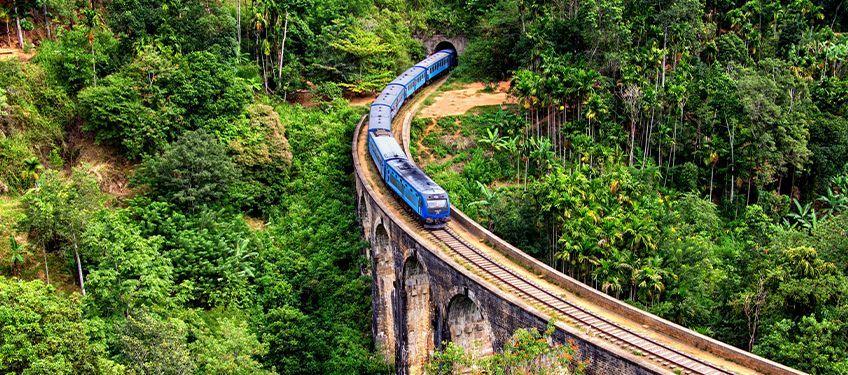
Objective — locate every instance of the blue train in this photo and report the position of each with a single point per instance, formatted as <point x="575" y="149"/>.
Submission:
<point x="429" y="201"/>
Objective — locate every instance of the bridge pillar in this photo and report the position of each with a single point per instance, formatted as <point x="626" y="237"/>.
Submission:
<point x="383" y="274"/>
<point x="417" y="308"/>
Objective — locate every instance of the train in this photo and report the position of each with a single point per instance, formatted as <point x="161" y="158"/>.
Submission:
<point x="425" y="198"/>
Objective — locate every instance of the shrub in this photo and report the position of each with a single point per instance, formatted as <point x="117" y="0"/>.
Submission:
<point x="191" y="173"/>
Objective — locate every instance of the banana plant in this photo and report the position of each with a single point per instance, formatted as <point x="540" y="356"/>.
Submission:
<point x="805" y="216"/>
<point x="18" y="254"/>
<point x="835" y="202"/>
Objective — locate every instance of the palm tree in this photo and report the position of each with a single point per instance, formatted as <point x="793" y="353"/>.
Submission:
<point x="650" y="278"/>
<point x="29" y="174"/>
<point x="92" y="21"/>
<point x="835" y="202"/>
<point x="491" y="139"/>
<point x="804" y="216"/>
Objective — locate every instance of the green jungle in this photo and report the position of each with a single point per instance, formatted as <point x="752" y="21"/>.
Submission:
<point x="177" y="191"/>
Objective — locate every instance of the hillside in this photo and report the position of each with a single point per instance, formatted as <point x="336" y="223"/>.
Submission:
<point x="175" y="189"/>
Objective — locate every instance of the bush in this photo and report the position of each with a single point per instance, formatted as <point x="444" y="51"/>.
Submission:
<point x="192" y="173"/>
<point x="32" y="120"/>
<point x="160" y="95"/>
<point x="43" y="331"/>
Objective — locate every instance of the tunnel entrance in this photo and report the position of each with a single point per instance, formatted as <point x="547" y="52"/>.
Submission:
<point x="448" y="45"/>
<point x="445" y="45"/>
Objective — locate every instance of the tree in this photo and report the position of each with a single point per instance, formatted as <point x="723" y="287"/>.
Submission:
<point x="527" y="352"/>
<point x="44" y="332"/>
<point x="151" y="345"/>
<point x="18" y="254"/>
<point x="192" y="173"/>
<point x="58" y="211"/>
<point x="228" y="348"/>
<point x="128" y="271"/>
<point x="80" y="53"/>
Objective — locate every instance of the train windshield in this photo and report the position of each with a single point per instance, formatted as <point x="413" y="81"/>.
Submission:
<point x="437" y="205"/>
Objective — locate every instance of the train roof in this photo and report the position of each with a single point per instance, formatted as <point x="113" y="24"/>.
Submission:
<point x="389" y="94"/>
<point x="380" y="117"/>
<point x="409" y="75"/>
<point x="430" y="60"/>
<point x="415" y="177"/>
<point x="387" y="146"/>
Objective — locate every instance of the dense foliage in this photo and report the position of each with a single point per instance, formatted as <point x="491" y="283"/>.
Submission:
<point x="237" y="249"/>
<point x="689" y="157"/>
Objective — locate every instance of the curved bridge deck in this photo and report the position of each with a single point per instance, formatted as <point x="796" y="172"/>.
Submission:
<point x="467" y="285"/>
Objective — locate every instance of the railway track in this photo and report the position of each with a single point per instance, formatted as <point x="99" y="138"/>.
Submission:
<point x="517" y="284"/>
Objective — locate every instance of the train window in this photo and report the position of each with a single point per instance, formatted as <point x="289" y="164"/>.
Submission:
<point x="436" y="205"/>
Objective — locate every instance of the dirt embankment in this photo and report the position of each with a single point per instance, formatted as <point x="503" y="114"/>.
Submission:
<point x="468" y="96"/>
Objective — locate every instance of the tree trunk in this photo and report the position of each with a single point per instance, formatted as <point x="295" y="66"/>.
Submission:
<point x="20" y="32"/>
<point x="79" y="266"/>
<point x="283" y="47"/>
<point x="46" y="20"/>
<point x="93" y="64"/>
<point x="8" y="34"/>
<point x="46" y="268"/>
<point x="238" y="24"/>
<point x="665" y="41"/>
<point x="632" y="140"/>
<point x="712" y="177"/>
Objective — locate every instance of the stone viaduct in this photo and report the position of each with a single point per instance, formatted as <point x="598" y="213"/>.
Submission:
<point x="422" y="298"/>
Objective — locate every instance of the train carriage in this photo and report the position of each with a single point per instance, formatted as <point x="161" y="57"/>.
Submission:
<point x="383" y="147"/>
<point x="429" y="201"/>
<point x="420" y="193"/>
<point x="412" y="79"/>
<point x="380" y="117"/>
<point x="437" y="63"/>
<point x="392" y="97"/>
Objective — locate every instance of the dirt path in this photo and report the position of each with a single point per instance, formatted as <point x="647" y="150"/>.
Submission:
<point x="11" y="53"/>
<point x="460" y="101"/>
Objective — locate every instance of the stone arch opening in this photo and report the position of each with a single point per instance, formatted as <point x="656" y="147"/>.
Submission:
<point x="468" y="327"/>
<point x="418" y="310"/>
<point x="383" y="281"/>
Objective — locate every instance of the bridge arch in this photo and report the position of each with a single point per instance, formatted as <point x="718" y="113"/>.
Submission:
<point x="418" y="310"/>
<point x="468" y="326"/>
<point x="383" y="275"/>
